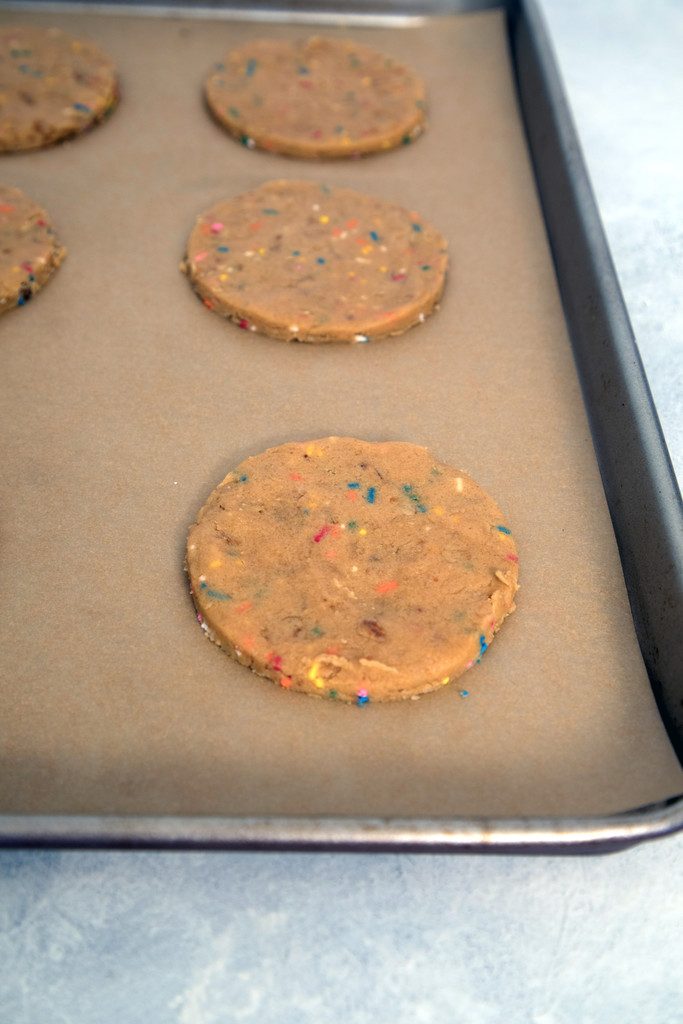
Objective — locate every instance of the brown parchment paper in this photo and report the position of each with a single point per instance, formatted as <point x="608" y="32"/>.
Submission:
<point x="124" y="402"/>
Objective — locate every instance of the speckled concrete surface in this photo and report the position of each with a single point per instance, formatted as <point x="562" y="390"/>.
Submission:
<point x="306" y="939"/>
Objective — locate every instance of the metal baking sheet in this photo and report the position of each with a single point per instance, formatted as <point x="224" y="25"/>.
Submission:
<point x="125" y="401"/>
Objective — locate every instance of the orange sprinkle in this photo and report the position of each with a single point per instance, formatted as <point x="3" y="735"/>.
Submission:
<point x="246" y="643"/>
<point x="244" y="607"/>
<point x="351" y="224"/>
<point x="334" y="649"/>
<point x="385" y="588"/>
<point x="208" y="303"/>
<point x="257" y="224"/>
<point x="295" y="476"/>
<point x="286" y="681"/>
<point x="352" y="495"/>
<point x="330" y="554"/>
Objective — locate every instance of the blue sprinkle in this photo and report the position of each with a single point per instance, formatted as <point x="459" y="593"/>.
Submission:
<point x="21" y="301"/>
<point x="304" y="70"/>
<point x="296" y="252"/>
<point x="215" y="595"/>
<point x="353" y="486"/>
<point x="374" y="236"/>
<point x="251" y="67"/>
<point x="417" y="227"/>
<point x="270" y="212"/>
<point x="83" y="107"/>
<point x="223" y="248"/>
<point x="370" y="495"/>
<point x="320" y="260"/>
<point x="483" y="647"/>
<point x="503" y="529"/>
<point x="220" y="66"/>
<point x="243" y="479"/>
<point x="362" y="700"/>
<point x="464" y="693"/>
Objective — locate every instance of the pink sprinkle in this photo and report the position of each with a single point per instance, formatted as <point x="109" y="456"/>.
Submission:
<point x="199" y="618"/>
<point x="317" y="134"/>
<point x="276" y="661"/>
<point x="512" y="558"/>
<point x="41" y="223"/>
<point x="27" y="267"/>
<point x="398" y="277"/>
<point x="200" y="256"/>
<point x="362" y="693"/>
<point x="322" y="532"/>
<point x="244" y="324"/>
<point x="217" y="227"/>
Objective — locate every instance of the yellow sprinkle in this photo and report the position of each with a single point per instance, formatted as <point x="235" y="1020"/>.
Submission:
<point x="261" y="252"/>
<point x="216" y="562"/>
<point x="437" y="510"/>
<point x="222" y="277"/>
<point x="459" y="484"/>
<point x="366" y="249"/>
<point x="383" y="270"/>
<point x="446" y="679"/>
<point x="362" y="531"/>
<point x="319" y="683"/>
<point x="324" y="219"/>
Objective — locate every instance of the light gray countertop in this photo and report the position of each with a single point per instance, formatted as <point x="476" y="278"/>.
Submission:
<point x="122" y="938"/>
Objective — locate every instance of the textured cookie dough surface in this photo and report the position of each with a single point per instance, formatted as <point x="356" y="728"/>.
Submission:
<point x="303" y="262"/>
<point x="52" y="86"/>
<point x="316" y="98"/>
<point x="354" y="570"/>
<point x="29" y="250"/>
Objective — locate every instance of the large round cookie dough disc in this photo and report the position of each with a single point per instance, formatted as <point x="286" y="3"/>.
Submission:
<point x="29" y="250"/>
<point x="316" y="98"/>
<point x="52" y="86"/>
<point x="300" y="261"/>
<point x="352" y="570"/>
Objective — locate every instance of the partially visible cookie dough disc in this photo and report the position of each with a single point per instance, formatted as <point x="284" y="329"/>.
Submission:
<point x="316" y="98"/>
<point x="304" y="262"/>
<point x="353" y="570"/>
<point x="52" y="86"/>
<point x="29" y="250"/>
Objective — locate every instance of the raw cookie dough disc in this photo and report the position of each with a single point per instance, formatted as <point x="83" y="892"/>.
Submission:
<point x="316" y="98"/>
<point x="350" y="569"/>
<point x="304" y="262"/>
<point x="52" y="86"/>
<point x="29" y="250"/>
